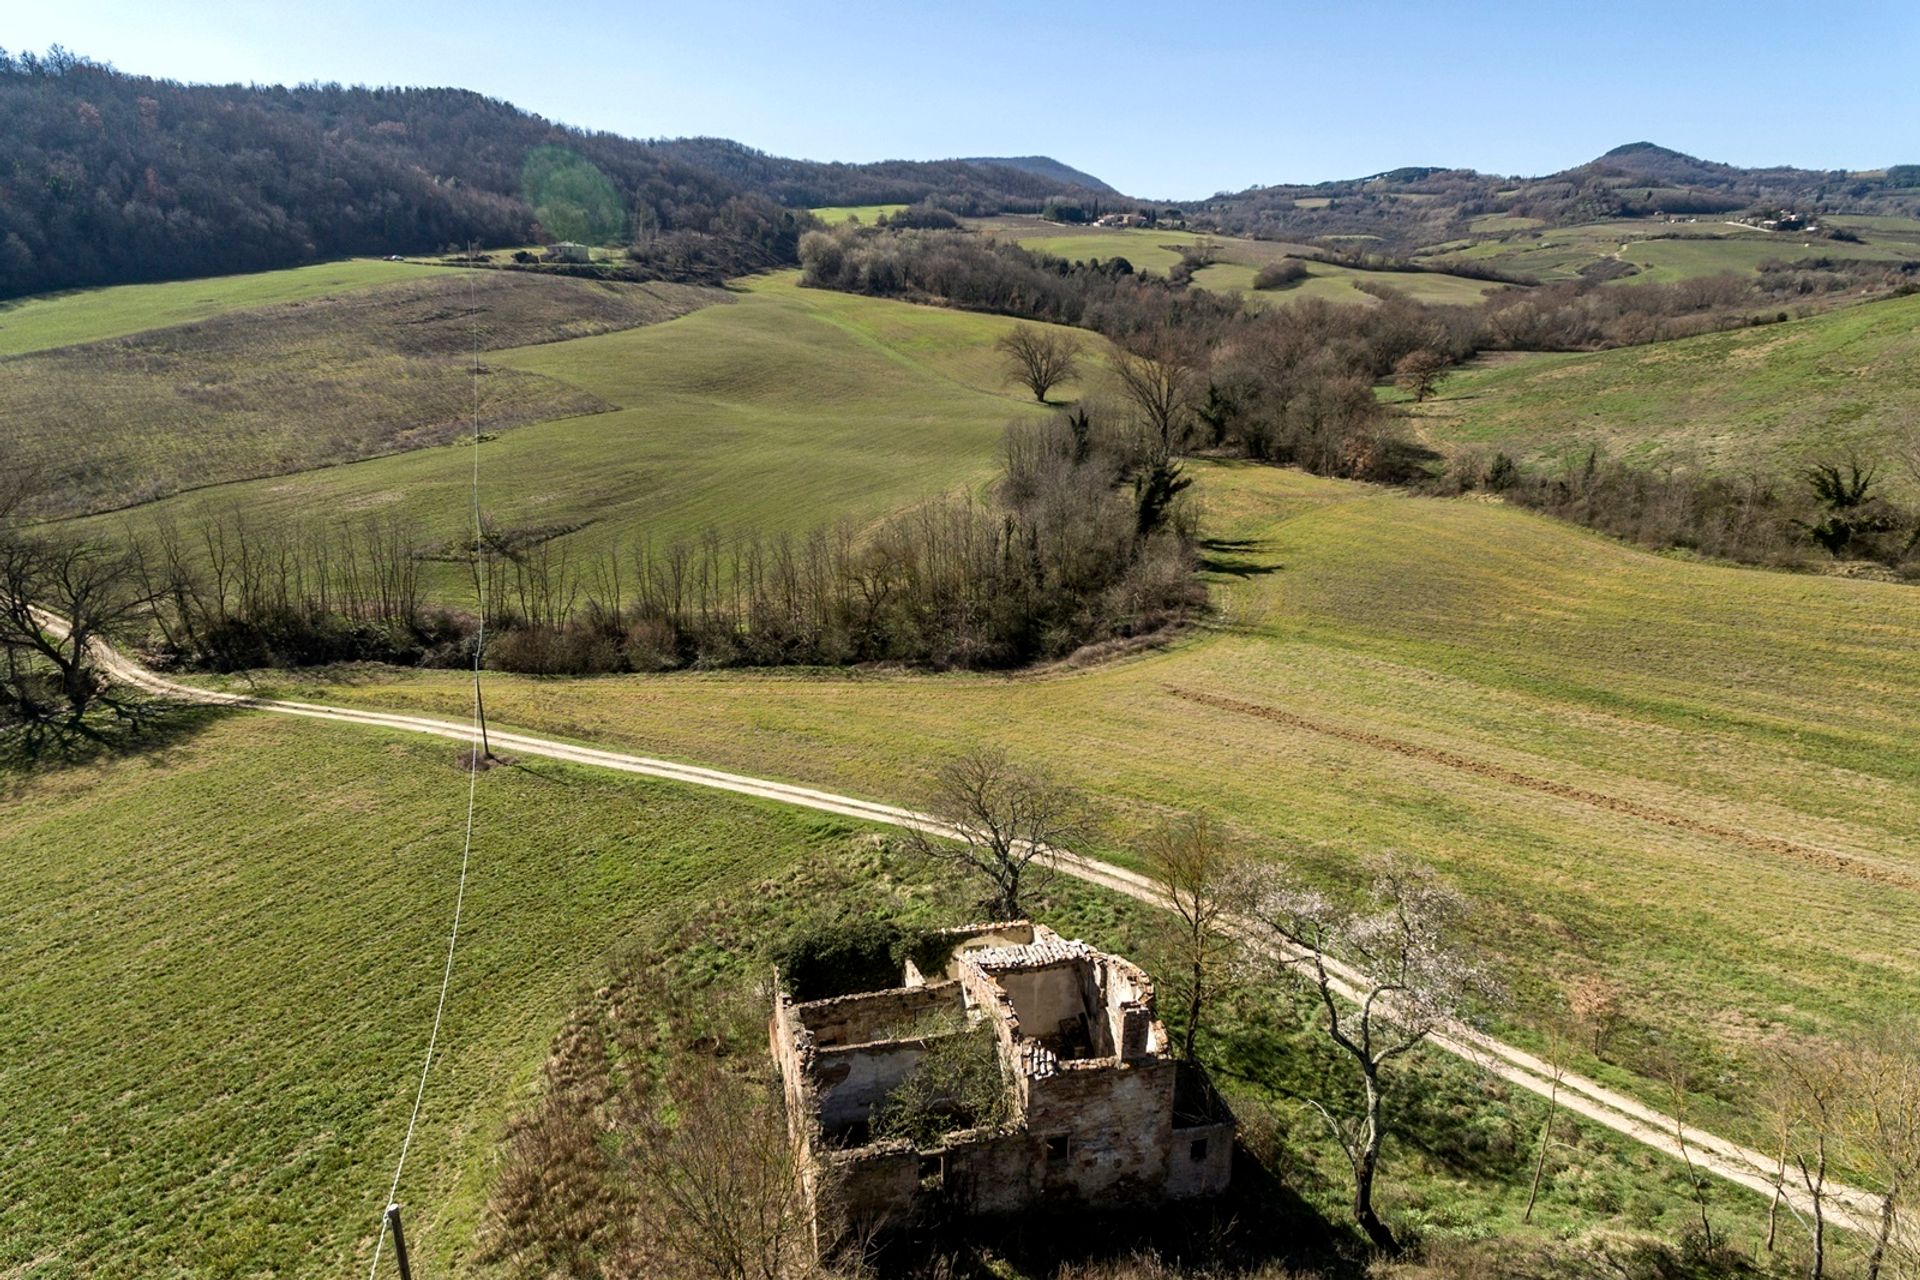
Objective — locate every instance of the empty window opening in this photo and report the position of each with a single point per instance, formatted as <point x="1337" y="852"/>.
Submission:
<point x="1059" y="1147"/>
<point x="1199" y="1149"/>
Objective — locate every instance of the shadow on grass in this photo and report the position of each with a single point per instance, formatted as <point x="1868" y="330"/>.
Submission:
<point x="1229" y="556"/>
<point x="1259" y="1222"/>
<point x="28" y="752"/>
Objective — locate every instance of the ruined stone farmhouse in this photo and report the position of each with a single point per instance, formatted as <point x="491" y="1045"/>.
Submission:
<point x="1096" y="1107"/>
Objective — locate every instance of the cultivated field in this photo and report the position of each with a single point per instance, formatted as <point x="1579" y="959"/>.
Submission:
<point x="1769" y="399"/>
<point x="1696" y="778"/>
<point x="222" y="961"/>
<point x="229" y="949"/>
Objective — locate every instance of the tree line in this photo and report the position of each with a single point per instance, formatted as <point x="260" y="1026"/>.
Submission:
<point x="1084" y="539"/>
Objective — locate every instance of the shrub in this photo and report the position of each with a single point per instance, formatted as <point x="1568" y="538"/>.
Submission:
<point x="1280" y="274"/>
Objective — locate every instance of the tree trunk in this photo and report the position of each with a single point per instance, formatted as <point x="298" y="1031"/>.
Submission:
<point x="1879" y="1254"/>
<point x="1816" y="1188"/>
<point x="1366" y="1162"/>
<point x="1192" y="1028"/>
<point x="1546" y="1140"/>
<point x="1773" y="1209"/>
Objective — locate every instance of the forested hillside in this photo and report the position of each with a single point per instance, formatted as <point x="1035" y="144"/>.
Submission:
<point x="109" y="178"/>
<point x="1410" y="208"/>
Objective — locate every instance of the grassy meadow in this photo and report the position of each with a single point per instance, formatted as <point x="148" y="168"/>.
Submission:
<point x="301" y="385"/>
<point x="1696" y="778"/>
<point x="1665" y="252"/>
<point x="1772" y="398"/>
<point x="1235" y="262"/>
<point x="90" y="315"/>
<point x="785" y="409"/>
<point x="868" y="214"/>
<point x="223" y="955"/>
<point x="1333" y="282"/>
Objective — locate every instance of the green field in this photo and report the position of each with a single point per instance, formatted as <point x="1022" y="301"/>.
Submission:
<point x="1335" y="283"/>
<point x="1696" y="778"/>
<point x="1664" y="251"/>
<point x="868" y="214"/>
<point x="1147" y="248"/>
<point x="88" y="315"/>
<point x="225" y="954"/>
<point x="271" y="390"/>
<point x="1772" y="398"/>
<point x="1235" y="262"/>
<point x="787" y="408"/>
<point x="222" y="962"/>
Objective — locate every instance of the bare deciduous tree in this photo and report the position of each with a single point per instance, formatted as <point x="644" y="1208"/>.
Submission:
<point x="726" y="1181"/>
<point x="1040" y="359"/>
<point x="1409" y="978"/>
<point x="97" y="593"/>
<point x="1419" y="372"/>
<point x="1007" y="822"/>
<point x="1881" y="1119"/>
<point x="1555" y="1053"/>
<point x="1679" y="1082"/>
<point x="1809" y="1096"/>
<point x="1195" y="868"/>
<point x="1595" y="1003"/>
<point x="1160" y="375"/>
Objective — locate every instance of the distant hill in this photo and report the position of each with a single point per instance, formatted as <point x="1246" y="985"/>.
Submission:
<point x="1404" y="210"/>
<point x="1650" y="161"/>
<point x="1050" y="169"/>
<point x="109" y="178"/>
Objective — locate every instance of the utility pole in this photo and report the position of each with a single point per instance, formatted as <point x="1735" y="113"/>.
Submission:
<point x="399" y="1242"/>
<point x="479" y="536"/>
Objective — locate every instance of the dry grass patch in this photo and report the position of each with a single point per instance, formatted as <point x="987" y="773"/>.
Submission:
<point x="302" y="384"/>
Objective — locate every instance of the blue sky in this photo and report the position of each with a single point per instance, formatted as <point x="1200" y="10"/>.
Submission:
<point x="1175" y="100"/>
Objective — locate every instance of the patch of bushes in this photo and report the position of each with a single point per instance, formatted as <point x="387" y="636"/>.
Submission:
<point x="1280" y="274"/>
<point x="957" y="1084"/>
<point x="843" y="955"/>
<point x="1829" y="512"/>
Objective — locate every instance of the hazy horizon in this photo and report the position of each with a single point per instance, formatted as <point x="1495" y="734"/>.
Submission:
<point x="1158" y="107"/>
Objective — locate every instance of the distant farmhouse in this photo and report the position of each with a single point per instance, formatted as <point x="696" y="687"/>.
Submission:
<point x="1096" y="1107"/>
<point x="568" y="251"/>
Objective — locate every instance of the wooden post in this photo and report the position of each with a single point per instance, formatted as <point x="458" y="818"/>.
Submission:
<point x="480" y="705"/>
<point x="399" y="1242"/>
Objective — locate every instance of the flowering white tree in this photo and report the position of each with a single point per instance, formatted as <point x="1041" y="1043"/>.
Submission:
<point x="1388" y="976"/>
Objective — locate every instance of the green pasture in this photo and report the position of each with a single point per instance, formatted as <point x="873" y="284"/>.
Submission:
<point x="1772" y="398"/>
<point x="1336" y="283"/>
<point x="786" y="409"/>
<point x="89" y="315"/>
<point x="868" y="214"/>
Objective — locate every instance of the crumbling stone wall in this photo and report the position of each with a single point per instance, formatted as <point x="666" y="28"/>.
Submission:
<point x="876" y="1015"/>
<point x="1121" y="1122"/>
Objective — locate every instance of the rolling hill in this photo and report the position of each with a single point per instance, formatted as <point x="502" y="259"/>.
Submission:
<point x="1050" y="169"/>
<point x="1446" y="210"/>
<point x="778" y="410"/>
<point x="1769" y="400"/>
